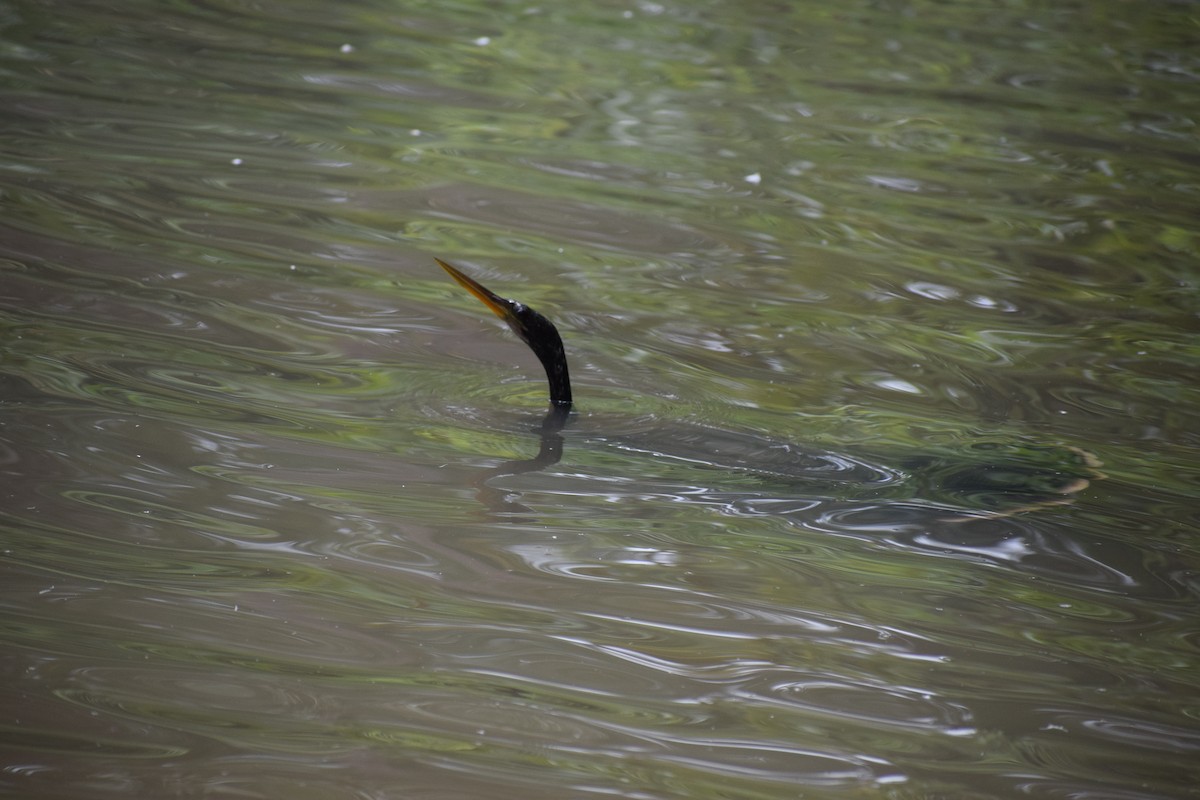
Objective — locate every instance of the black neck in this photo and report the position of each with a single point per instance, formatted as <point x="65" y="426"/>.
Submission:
<point x="543" y="339"/>
<point x="560" y="380"/>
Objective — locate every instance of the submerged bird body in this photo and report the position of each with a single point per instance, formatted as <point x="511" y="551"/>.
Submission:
<point x="989" y="474"/>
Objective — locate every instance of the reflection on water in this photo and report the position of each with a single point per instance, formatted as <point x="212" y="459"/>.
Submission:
<point x="550" y="450"/>
<point x="280" y="515"/>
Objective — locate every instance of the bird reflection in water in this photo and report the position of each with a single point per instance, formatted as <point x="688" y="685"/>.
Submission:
<point x="550" y="450"/>
<point x="1032" y="487"/>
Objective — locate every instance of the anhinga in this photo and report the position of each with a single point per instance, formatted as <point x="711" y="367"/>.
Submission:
<point x="534" y="329"/>
<point x="543" y="339"/>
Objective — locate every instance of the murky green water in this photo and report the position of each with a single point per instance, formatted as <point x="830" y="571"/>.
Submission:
<point x="855" y="295"/>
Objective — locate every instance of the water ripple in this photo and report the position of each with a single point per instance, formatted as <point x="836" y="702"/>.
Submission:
<point x="254" y="511"/>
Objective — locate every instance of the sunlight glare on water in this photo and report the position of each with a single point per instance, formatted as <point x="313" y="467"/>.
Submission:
<point x="881" y="480"/>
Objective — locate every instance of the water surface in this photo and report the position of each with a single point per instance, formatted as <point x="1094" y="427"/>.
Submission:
<point x="881" y="483"/>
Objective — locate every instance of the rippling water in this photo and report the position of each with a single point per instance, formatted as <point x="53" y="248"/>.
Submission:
<point x="882" y="478"/>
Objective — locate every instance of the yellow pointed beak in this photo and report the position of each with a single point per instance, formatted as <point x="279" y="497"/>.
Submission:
<point x="498" y="305"/>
